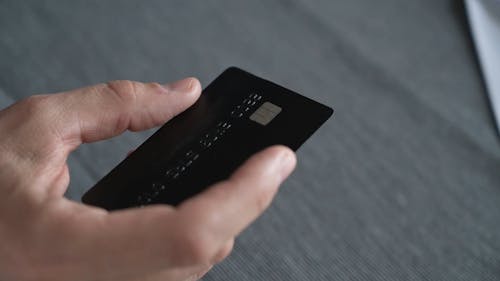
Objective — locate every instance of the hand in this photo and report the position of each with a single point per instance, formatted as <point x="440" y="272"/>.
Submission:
<point x="44" y="236"/>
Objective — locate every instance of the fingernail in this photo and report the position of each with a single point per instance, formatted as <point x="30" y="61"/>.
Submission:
<point x="184" y="85"/>
<point x="288" y="162"/>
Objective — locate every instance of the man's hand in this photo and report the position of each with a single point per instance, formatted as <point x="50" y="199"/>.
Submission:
<point x="44" y="236"/>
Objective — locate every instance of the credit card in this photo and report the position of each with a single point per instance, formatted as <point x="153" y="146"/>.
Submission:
<point x="236" y="116"/>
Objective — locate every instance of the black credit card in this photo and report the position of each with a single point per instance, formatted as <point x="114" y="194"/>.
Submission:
<point x="236" y="116"/>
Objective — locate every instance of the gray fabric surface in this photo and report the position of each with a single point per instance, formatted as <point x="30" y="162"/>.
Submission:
<point x="402" y="184"/>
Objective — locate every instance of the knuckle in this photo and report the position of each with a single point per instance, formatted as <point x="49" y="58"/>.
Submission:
<point x="126" y="91"/>
<point x="263" y="198"/>
<point x="197" y="248"/>
<point x="224" y="253"/>
<point x="210" y="219"/>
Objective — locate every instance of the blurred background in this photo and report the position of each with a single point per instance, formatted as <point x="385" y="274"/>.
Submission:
<point x="403" y="183"/>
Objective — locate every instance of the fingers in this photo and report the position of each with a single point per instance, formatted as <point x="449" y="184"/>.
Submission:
<point x="99" y="112"/>
<point x="224" y="251"/>
<point x="140" y="242"/>
<point x="52" y="125"/>
<point x="224" y="210"/>
<point x="184" y="274"/>
<point x="44" y="129"/>
<point x="105" y="110"/>
<point x="199" y="274"/>
<point x="199" y="232"/>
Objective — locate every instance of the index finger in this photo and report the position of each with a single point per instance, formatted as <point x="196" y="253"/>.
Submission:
<point x="105" y="110"/>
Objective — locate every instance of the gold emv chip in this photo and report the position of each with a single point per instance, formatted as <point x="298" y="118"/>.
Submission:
<point x="265" y="113"/>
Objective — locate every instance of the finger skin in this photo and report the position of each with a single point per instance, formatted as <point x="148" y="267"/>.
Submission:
<point x="42" y="234"/>
<point x="225" y="209"/>
<point x="57" y="239"/>
<point x="39" y="132"/>
<point x="224" y="252"/>
<point x="108" y="109"/>
<point x="46" y="125"/>
<point x="195" y="233"/>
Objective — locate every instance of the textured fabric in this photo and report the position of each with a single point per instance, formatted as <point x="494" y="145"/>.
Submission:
<point x="402" y="184"/>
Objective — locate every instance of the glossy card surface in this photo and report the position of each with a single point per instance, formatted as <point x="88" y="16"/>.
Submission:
<point x="236" y="116"/>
